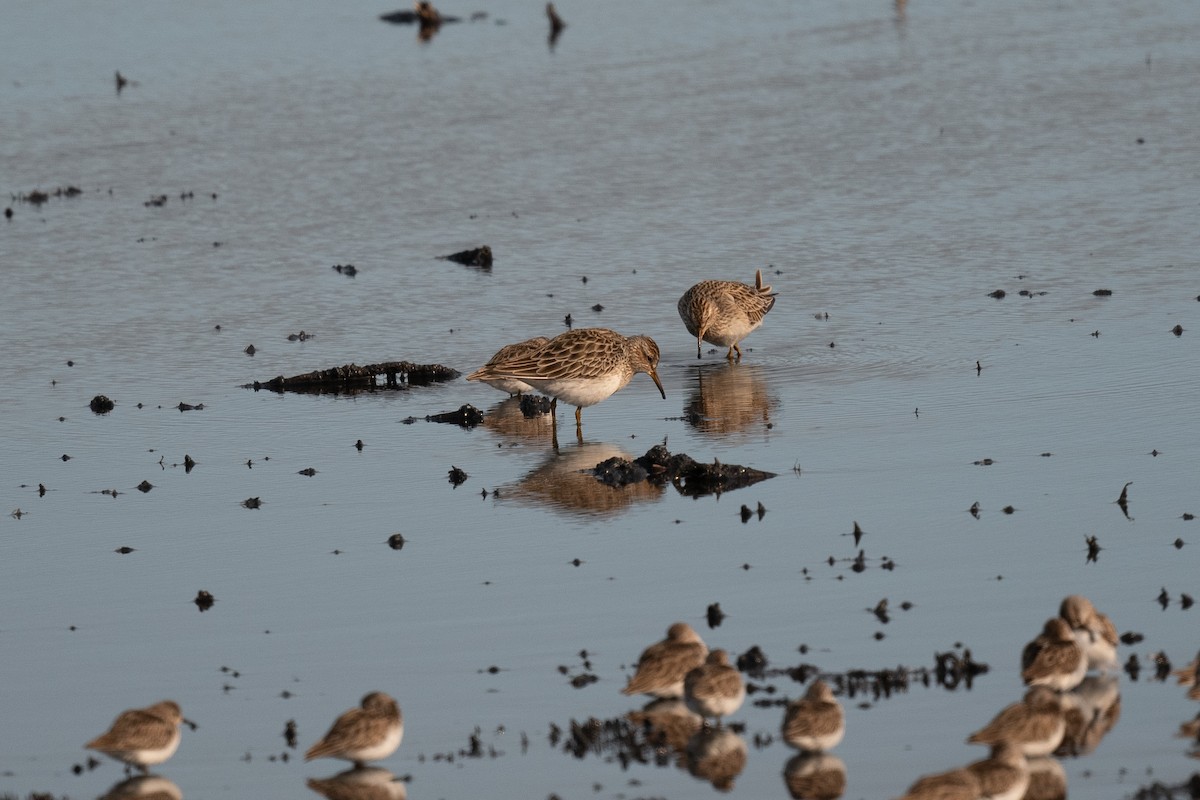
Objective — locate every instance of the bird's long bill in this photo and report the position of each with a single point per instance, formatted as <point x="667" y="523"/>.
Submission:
<point x="654" y="375"/>
<point x="189" y="723"/>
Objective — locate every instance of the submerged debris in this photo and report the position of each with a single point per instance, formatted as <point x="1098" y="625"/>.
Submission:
<point x="479" y="257"/>
<point x="351" y="378"/>
<point x="466" y="416"/>
<point x="101" y="404"/>
<point x="689" y="477"/>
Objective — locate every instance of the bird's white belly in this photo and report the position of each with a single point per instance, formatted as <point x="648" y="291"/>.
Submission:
<point x="581" y="392"/>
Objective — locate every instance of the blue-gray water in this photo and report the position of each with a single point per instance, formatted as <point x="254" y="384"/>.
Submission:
<point x="887" y="170"/>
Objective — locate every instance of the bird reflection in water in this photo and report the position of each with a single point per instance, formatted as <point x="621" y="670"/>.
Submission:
<point x="360" y="783"/>
<point x="565" y="482"/>
<point x="1047" y="779"/>
<point x="508" y="420"/>
<point x="729" y="398"/>
<point x="144" y="787"/>
<point x="668" y="723"/>
<point x="717" y="755"/>
<point x="815" y="776"/>
<point x="1091" y="710"/>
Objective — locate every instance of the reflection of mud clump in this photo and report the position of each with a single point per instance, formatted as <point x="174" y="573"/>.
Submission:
<point x="351" y="378"/>
<point x="534" y="405"/>
<point x="617" y="738"/>
<point x="101" y="404"/>
<point x="687" y="475"/>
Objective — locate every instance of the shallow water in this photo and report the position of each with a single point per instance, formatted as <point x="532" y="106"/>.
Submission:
<point x="886" y="171"/>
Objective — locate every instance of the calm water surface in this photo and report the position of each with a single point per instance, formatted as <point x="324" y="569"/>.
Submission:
<point x="885" y="170"/>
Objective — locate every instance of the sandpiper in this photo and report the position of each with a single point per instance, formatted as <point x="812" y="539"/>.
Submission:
<point x="1054" y="658"/>
<point x="725" y="312"/>
<point x="363" y="734"/>
<point x="663" y="665"/>
<point x="815" y="722"/>
<point x="580" y="367"/>
<point x="714" y="689"/>
<point x="510" y="351"/>
<point x="1094" y="632"/>
<point x="142" y="737"/>
<point x="1035" y="724"/>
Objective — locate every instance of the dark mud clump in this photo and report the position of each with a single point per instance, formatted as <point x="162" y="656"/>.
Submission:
<point x="101" y="404"/>
<point x="466" y="416"/>
<point x="688" y="476"/>
<point x="618" y="472"/>
<point x="204" y="600"/>
<point x="351" y="378"/>
<point x="479" y="257"/>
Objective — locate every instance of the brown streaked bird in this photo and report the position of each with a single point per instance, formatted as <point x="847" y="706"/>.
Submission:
<point x="815" y="776"/>
<point x="1094" y="632"/>
<point x="715" y="688"/>
<point x="725" y="312"/>
<point x="368" y="733"/>
<point x="663" y="665"/>
<point x="580" y="367"/>
<point x="815" y="722"/>
<point x="1054" y="658"/>
<point x="142" y="737"/>
<point x="1035" y="724"/>
<point x="957" y="784"/>
<point x="511" y="351"/>
<point x="1004" y="775"/>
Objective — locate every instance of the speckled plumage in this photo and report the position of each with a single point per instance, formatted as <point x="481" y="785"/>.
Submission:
<point x="580" y="367"/>
<point x="1054" y="658"/>
<point x="663" y="665"/>
<point x="141" y="737"/>
<point x="368" y="733"/>
<point x="507" y="353"/>
<point x="1094" y="632"/>
<point x="725" y="312"/>
<point x="715" y="688"/>
<point x="1035" y="724"/>
<point x="815" y="722"/>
